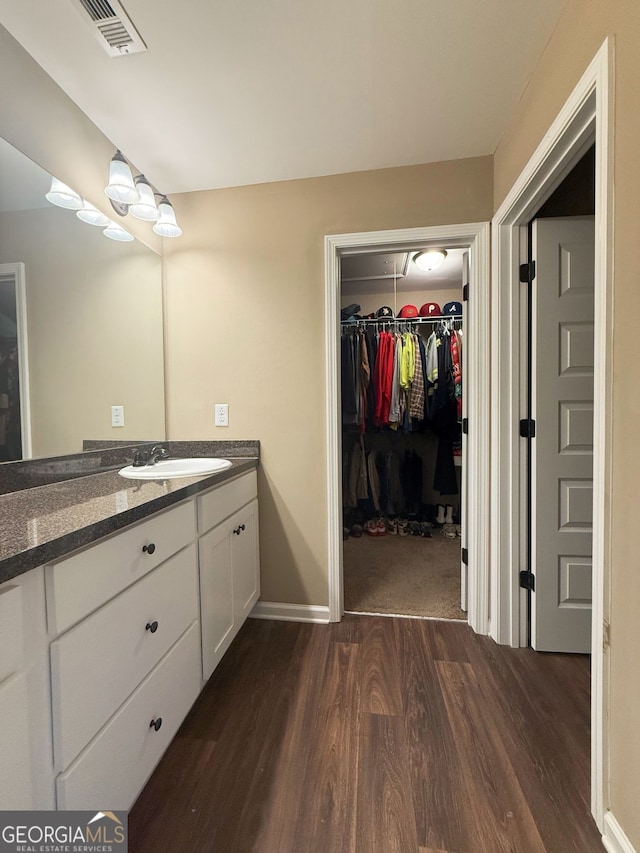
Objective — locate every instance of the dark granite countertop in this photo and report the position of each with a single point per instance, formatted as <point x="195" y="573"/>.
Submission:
<point x="46" y="522"/>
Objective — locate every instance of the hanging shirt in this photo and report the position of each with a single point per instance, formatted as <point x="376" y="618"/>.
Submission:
<point x="456" y="373"/>
<point x="416" y="406"/>
<point x="394" y="409"/>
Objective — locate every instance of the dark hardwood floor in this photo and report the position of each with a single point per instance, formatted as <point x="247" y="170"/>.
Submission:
<point x="376" y="735"/>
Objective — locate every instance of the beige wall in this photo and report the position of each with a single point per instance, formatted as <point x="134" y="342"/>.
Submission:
<point x="94" y="321"/>
<point x="580" y="32"/>
<point x="244" y="296"/>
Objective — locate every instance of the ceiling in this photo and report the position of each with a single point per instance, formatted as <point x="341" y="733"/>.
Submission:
<point x="239" y="93"/>
<point x="382" y="272"/>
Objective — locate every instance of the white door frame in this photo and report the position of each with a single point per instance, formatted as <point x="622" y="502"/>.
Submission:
<point x="17" y="272"/>
<point x="585" y="117"/>
<point x="476" y="237"/>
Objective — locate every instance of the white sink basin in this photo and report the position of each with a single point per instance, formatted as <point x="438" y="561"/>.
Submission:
<point x="167" y="469"/>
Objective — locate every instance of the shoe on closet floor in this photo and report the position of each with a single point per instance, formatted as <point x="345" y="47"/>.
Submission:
<point x="448" y="519"/>
<point x="356" y="530"/>
<point x="371" y="527"/>
<point x="381" y="527"/>
<point x="391" y="526"/>
<point x="415" y="528"/>
<point x="449" y="531"/>
<point x="426" y="527"/>
<point x="403" y="527"/>
<point x="440" y="518"/>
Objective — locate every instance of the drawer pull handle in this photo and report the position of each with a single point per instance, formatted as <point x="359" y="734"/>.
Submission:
<point x="151" y="626"/>
<point x="155" y="724"/>
<point x="239" y="529"/>
<point x="149" y="549"/>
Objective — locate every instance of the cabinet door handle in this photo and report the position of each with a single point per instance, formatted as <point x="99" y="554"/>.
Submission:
<point x="151" y="626"/>
<point x="155" y="724"/>
<point x="239" y="529"/>
<point x="149" y="549"/>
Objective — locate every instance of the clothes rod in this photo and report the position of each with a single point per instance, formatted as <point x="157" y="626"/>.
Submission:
<point x="439" y="319"/>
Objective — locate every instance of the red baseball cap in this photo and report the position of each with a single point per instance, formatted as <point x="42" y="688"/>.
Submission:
<point x="430" y="309"/>
<point x="408" y="311"/>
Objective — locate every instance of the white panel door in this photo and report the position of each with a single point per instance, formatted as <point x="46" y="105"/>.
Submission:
<point x="562" y="451"/>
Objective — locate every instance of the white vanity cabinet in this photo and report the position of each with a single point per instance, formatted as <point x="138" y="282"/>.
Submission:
<point x="103" y="653"/>
<point x="229" y="564"/>
<point x="25" y="721"/>
<point x="126" y="672"/>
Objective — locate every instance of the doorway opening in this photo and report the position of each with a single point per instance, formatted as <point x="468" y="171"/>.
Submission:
<point x="15" y="411"/>
<point x="585" y="118"/>
<point x="402" y="411"/>
<point x="473" y="237"/>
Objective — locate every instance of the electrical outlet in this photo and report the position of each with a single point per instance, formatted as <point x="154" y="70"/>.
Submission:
<point x="117" y="416"/>
<point x="222" y="414"/>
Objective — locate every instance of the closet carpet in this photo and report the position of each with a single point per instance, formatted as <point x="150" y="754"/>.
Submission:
<point x="404" y="575"/>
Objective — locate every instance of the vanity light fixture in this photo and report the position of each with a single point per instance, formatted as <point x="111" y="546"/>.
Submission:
<point x="143" y="206"/>
<point x="430" y="259"/>
<point x="127" y="195"/>
<point x="63" y="196"/>
<point x="121" y="187"/>
<point x="166" y="226"/>
<point x="92" y="216"/>
<point x="117" y="232"/>
<point x="145" y="209"/>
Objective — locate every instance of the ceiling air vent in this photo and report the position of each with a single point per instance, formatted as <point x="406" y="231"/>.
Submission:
<point x="111" y="26"/>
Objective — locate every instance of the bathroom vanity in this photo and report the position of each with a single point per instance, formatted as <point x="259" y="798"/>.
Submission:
<point x="106" y="643"/>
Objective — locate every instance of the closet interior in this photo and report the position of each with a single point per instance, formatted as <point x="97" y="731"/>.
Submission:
<point x="402" y="401"/>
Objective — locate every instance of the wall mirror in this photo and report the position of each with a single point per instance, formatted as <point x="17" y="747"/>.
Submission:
<point x="88" y="329"/>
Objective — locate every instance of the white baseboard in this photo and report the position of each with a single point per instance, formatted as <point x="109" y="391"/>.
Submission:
<point x="290" y="612"/>
<point x="614" y="838"/>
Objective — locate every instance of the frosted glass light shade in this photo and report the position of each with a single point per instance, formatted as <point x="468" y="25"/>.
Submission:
<point x="166" y="226"/>
<point x="430" y="260"/>
<point x="145" y="208"/>
<point x="92" y="216"/>
<point x="63" y="196"/>
<point x="121" y="187"/>
<point x="115" y="232"/>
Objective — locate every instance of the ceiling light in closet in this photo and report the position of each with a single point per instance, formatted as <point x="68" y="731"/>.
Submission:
<point x="430" y="259"/>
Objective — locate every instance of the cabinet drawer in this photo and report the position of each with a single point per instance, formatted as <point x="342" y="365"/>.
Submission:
<point x="220" y="503"/>
<point x="83" y="582"/>
<point x="111" y="772"/>
<point x="98" y="663"/>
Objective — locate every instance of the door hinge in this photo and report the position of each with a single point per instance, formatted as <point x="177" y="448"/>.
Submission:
<point x="465" y="556"/>
<point x="465" y="426"/>
<point x="527" y="428"/>
<point x="527" y="580"/>
<point x="527" y="272"/>
<point x="465" y="293"/>
<point x="606" y="635"/>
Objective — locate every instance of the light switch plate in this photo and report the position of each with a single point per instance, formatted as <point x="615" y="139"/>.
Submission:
<point x="117" y="416"/>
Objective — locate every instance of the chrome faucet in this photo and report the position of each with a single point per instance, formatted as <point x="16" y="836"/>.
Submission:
<point x="143" y="456"/>
<point x="158" y="451"/>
